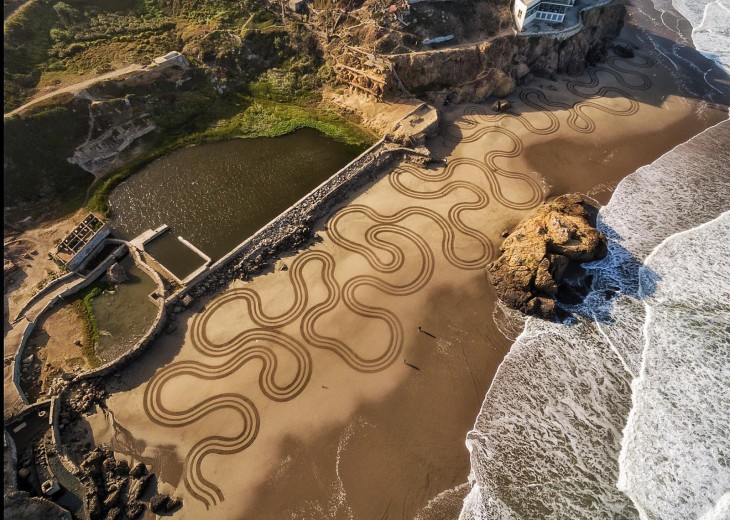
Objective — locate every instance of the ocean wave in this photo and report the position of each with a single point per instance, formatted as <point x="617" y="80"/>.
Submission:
<point x="547" y="440"/>
<point x="710" y="20"/>
<point x="677" y="439"/>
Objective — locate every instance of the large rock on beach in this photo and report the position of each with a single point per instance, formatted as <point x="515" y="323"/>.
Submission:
<point x="535" y="256"/>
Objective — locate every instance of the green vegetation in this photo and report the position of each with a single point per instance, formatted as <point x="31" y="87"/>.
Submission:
<point x="270" y="75"/>
<point x="91" y="331"/>
<point x="51" y="43"/>
<point x="232" y="117"/>
<point x="36" y="146"/>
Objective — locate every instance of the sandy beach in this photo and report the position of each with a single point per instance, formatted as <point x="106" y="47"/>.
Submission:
<point x="342" y="382"/>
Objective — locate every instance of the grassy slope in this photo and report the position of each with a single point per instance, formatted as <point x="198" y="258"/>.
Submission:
<point x="234" y="116"/>
<point x="81" y="38"/>
<point x="36" y="145"/>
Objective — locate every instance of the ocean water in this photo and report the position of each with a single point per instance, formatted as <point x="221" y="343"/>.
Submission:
<point x="710" y="25"/>
<point x="649" y="345"/>
<point x="679" y="425"/>
<point x="710" y="21"/>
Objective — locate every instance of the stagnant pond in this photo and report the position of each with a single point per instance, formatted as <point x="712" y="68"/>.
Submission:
<point x="217" y="195"/>
<point x="124" y="314"/>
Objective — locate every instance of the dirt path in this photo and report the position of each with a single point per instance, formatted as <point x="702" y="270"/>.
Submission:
<point x="76" y="87"/>
<point x="506" y="32"/>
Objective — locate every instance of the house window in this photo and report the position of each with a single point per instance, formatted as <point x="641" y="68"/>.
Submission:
<point x="519" y="14"/>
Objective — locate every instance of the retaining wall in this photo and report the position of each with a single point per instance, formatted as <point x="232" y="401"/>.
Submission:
<point x="42" y="294"/>
<point x="82" y="283"/>
<point x="56" y="436"/>
<point x="150" y="335"/>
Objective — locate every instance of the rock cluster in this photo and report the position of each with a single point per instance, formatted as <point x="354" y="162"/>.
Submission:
<point x="537" y="253"/>
<point x="113" y="490"/>
<point x="116" y="274"/>
<point x="84" y="396"/>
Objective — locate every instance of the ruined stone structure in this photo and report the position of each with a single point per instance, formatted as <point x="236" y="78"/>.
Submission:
<point x="82" y="241"/>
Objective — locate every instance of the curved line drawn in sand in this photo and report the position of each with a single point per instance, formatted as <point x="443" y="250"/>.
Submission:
<point x="578" y="118"/>
<point x="389" y="247"/>
<point x="491" y="170"/>
<point x="388" y="243"/>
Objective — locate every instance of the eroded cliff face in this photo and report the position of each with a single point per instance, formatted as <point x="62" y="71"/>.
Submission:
<point x="495" y="68"/>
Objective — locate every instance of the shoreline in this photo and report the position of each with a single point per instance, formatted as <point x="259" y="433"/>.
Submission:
<point x="333" y="434"/>
<point x="328" y="433"/>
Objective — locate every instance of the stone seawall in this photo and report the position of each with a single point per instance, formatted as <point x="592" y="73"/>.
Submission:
<point x="294" y="227"/>
<point x="473" y="73"/>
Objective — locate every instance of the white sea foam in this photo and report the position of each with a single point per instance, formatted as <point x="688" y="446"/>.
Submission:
<point x="679" y="426"/>
<point x="710" y="20"/>
<point x="547" y="440"/>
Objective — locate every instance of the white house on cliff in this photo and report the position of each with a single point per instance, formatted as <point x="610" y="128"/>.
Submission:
<point x="527" y="11"/>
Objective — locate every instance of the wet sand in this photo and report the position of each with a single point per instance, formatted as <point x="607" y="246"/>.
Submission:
<point x="342" y="383"/>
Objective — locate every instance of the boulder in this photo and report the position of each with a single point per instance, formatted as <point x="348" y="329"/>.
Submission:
<point x="536" y="254"/>
<point x="501" y="105"/>
<point x="163" y="504"/>
<point x="93" y="459"/>
<point x="138" y="470"/>
<point x="137" y="487"/>
<point x="113" y="499"/>
<point x="135" y="509"/>
<point x="114" y="514"/>
<point x="93" y="508"/>
<point x="116" y="273"/>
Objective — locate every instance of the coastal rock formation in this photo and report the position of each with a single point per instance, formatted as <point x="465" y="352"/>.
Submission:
<point x="112" y="489"/>
<point x="537" y="253"/>
<point x="473" y="73"/>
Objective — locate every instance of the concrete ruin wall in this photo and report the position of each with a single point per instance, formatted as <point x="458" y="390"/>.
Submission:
<point x="82" y="283"/>
<point x="148" y="337"/>
<point x="43" y="292"/>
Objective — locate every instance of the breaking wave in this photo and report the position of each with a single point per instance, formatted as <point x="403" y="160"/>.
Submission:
<point x="547" y="440"/>
<point x="710" y="21"/>
<point x="679" y="426"/>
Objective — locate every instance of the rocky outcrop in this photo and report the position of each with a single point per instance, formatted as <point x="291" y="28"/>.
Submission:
<point x="535" y="256"/>
<point x="164" y="504"/>
<point x="473" y="73"/>
<point x="113" y="490"/>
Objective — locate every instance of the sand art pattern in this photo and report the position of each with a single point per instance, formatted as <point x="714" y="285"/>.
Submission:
<point x="578" y="118"/>
<point x="385" y="245"/>
<point x="390" y="247"/>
